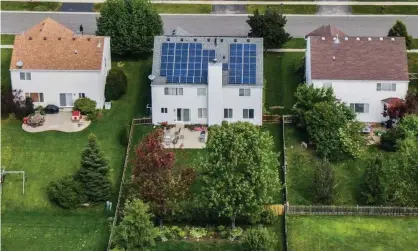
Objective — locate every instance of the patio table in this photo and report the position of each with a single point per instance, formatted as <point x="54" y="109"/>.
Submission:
<point x="36" y="120"/>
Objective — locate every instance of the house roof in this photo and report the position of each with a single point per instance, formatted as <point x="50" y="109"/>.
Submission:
<point x="326" y="31"/>
<point x="52" y="46"/>
<point x="359" y="58"/>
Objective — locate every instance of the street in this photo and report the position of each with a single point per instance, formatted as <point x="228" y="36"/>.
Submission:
<point x="219" y="25"/>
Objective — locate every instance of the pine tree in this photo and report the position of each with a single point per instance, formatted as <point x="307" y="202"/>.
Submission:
<point x="399" y="30"/>
<point x="373" y="190"/>
<point x="93" y="172"/>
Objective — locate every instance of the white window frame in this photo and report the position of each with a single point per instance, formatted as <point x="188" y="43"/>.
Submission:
<point x="40" y="96"/>
<point x="244" y="92"/>
<point x="25" y="76"/>
<point x="246" y="113"/>
<point x="386" y="87"/>
<point x="366" y="107"/>
<point x="229" y="113"/>
<point x="202" y="113"/>
<point x="201" y="91"/>
<point x="327" y="85"/>
<point x="164" y="110"/>
<point x="173" y="91"/>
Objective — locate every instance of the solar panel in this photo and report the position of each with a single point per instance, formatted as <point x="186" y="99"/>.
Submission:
<point x="242" y="63"/>
<point x="185" y="62"/>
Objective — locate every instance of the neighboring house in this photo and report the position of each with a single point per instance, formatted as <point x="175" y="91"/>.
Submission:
<point x="53" y="65"/>
<point x="364" y="72"/>
<point x="207" y="80"/>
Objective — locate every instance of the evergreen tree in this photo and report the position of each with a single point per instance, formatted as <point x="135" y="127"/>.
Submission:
<point x="93" y="172"/>
<point x="399" y="30"/>
<point x="372" y="189"/>
<point x="323" y="184"/>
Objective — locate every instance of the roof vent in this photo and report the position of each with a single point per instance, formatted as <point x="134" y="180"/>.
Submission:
<point x="222" y="40"/>
<point x="88" y="39"/>
<point x="235" y="40"/>
<point x="208" y="39"/>
<point x="44" y="38"/>
<point x="181" y="39"/>
<point x="30" y="38"/>
<point x="75" y="51"/>
<point x="99" y="44"/>
<point x="248" y="40"/>
<point x="334" y="38"/>
<point x="214" y="60"/>
<point x="195" y="39"/>
<point x="381" y="39"/>
<point x="393" y="39"/>
<point x="358" y="39"/>
<point x="346" y="38"/>
<point x="323" y="38"/>
<point x="370" y="39"/>
<point x="19" y="64"/>
<point x="168" y="39"/>
<point x="73" y="38"/>
<point x="333" y="58"/>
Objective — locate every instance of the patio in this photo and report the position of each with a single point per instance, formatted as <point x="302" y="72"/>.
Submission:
<point x="58" y="122"/>
<point x="181" y="137"/>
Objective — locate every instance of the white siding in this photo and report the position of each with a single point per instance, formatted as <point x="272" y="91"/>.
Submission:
<point x="215" y="94"/>
<point x="52" y="83"/>
<point x="351" y="91"/>
<point x="308" y="61"/>
<point x="231" y="99"/>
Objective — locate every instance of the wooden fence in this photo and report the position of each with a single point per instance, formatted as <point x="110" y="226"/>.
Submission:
<point x="351" y="210"/>
<point x="271" y="118"/>
<point x="142" y="121"/>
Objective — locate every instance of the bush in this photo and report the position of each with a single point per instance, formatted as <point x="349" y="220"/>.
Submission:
<point x="41" y="109"/>
<point x="322" y="187"/>
<point x="198" y="232"/>
<point x="260" y="239"/>
<point x="86" y="106"/>
<point x="389" y="139"/>
<point x="66" y="192"/>
<point x="116" y="84"/>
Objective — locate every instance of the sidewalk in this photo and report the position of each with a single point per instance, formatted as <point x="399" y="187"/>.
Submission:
<point x="328" y="3"/>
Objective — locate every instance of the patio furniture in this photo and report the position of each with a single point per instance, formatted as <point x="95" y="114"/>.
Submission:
<point x="51" y="109"/>
<point x="36" y="120"/>
<point x="202" y="136"/>
<point x="25" y="120"/>
<point x="75" y="115"/>
<point x="80" y="122"/>
<point x="167" y="139"/>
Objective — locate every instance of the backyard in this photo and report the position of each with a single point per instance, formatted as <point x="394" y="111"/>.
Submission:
<point x="311" y="233"/>
<point x="45" y="157"/>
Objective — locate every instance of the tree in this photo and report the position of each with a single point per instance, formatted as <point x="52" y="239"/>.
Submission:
<point x="131" y="25"/>
<point x="373" y="188"/>
<point x="66" y="192"/>
<point x="306" y="97"/>
<point x="269" y="26"/>
<point x="116" y="84"/>
<point x="322" y="187"/>
<point x="411" y="101"/>
<point x="327" y="127"/>
<point x="85" y="105"/>
<point x="13" y="102"/>
<point x="260" y="239"/>
<point x="93" y="174"/>
<point x="155" y="179"/>
<point x="241" y="171"/>
<point x="136" y="231"/>
<point x="399" y="30"/>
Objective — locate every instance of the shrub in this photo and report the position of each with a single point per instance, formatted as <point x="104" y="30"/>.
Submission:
<point x="66" y="192"/>
<point x="260" y="239"/>
<point x="390" y="137"/>
<point x="41" y="109"/>
<point x="323" y="184"/>
<point x="116" y="84"/>
<point x="85" y="105"/>
<point x="198" y="232"/>
<point x="235" y="233"/>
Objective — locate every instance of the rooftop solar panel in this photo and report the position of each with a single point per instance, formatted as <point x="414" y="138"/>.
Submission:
<point x="242" y="63"/>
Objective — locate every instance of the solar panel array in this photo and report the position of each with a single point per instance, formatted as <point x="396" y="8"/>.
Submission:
<point x="185" y="62"/>
<point x="242" y="63"/>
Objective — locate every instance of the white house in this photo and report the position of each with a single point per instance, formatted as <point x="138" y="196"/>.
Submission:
<point x="53" y="65"/>
<point x="364" y="72"/>
<point x="207" y="80"/>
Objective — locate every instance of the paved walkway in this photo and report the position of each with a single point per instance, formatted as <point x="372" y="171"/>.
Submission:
<point x="57" y="122"/>
<point x="219" y="2"/>
<point x="334" y="9"/>
<point x="6" y="46"/>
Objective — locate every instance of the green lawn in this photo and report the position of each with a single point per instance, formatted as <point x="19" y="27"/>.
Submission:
<point x="347" y="233"/>
<point x="198" y="246"/>
<point x="413" y="68"/>
<point x="281" y="79"/>
<point x="48" y="156"/>
<point x="379" y="10"/>
<point x="174" y="8"/>
<point x="31" y="6"/>
<point x="286" y="9"/>
<point x="7" y="39"/>
<point x="295" y="43"/>
<point x="415" y="43"/>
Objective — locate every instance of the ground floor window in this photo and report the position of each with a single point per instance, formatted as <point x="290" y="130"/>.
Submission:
<point x="163" y="109"/>
<point x="66" y="99"/>
<point x="248" y="113"/>
<point x="35" y="96"/>
<point x="228" y="113"/>
<point x="81" y="95"/>
<point x="359" y="107"/>
<point x="202" y="113"/>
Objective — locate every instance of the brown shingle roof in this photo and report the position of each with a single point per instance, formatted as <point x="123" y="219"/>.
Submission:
<point x="326" y="31"/>
<point x="52" y="46"/>
<point x="362" y="59"/>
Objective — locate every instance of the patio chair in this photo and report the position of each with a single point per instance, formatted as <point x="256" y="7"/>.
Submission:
<point x="167" y="139"/>
<point x="202" y="136"/>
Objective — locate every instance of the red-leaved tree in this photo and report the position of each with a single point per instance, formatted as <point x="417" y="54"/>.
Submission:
<point x="156" y="178"/>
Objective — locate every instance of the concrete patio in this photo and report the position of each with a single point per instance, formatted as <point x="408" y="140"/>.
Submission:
<point x="58" y="122"/>
<point x="187" y="139"/>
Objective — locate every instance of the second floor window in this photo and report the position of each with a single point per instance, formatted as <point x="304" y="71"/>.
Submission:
<point x="201" y="91"/>
<point x="173" y="91"/>
<point x="386" y="87"/>
<point x="245" y="92"/>
<point x="25" y="76"/>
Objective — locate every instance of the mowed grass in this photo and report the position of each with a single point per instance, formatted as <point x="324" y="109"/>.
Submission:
<point x="7" y="39"/>
<point x="285" y="9"/>
<point x="173" y="8"/>
<point x="30" y="6"/>
<point x="382" y="10"/>
<point x="32" y="220"/>
<point x="198" y="246"/>
<point x="413" y="68"/>
<point x="295" y="43"/>
<point x="349" y="233"/>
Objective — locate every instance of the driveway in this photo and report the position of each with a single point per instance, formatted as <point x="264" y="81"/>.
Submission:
<point x="333" y="10"/>
<point x="228" y="9"/>
<point x="58" y="122"/>
<point x="77" y="7"/>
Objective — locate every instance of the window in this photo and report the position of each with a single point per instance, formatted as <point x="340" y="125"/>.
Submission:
<point x="386" y="87"/>
<point x="66" y="99"/>
<point x="248" y="113"/>
<point x="202" y="113"/>
<point x="228" y="113"/>
<point x="327" y="85"/>
<point x="163" y="109"/>
<point x="173" y="91"/>
<point x="81" y="95"/>
<point x="201" y="91"/>
<point x="359" y="107"/>
<point x="36" y="97"/>
<point x="245" y="92"/>
<point x="25" y="76"/>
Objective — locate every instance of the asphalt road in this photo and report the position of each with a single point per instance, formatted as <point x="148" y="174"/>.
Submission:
<point x="221" y="25"/>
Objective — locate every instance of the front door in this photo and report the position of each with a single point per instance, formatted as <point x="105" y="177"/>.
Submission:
<point x="183" y="114"/>
<point x="66" y="99"/>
